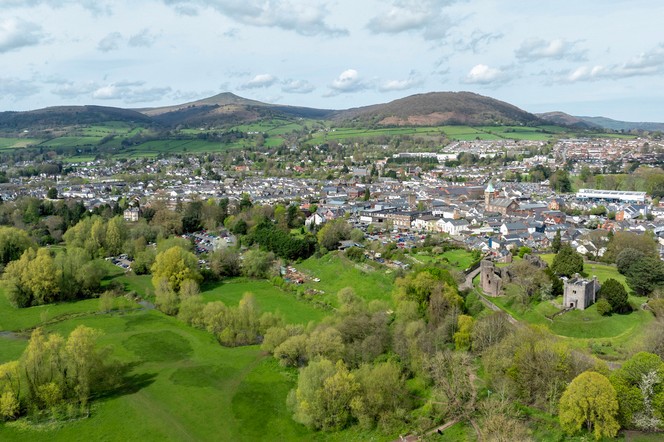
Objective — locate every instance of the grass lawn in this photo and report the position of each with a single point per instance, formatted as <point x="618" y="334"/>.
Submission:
<point x="180" y="385"/>
<point x="460" y="258"/>
<point x="337" y="272"/>
<point x="183" y="386"/>
<point x="269" y="298"/>
<point x="602" y="271"/>
<point x="617" y="335"/>
<point x="14" y="319"/>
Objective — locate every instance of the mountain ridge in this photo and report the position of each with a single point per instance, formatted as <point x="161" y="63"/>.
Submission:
<point x="227" y="109"/>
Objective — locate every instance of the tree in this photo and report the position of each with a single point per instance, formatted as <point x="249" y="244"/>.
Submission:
<point x="257" y="264"/>
<point x="116" y="234"/>
<point x="645" y="275"/>
<point x="52" y="193"/>
<point x="636" y="387"/>
<point x="166" y="299"/>
<point x="603" y="307"/>
<point x="33" y="279"/>
<point x="590" y="400"/>
<point x="620" y="241"/>
<point x="489" y="330"/>
<point x="176" y="265"/>
<point x="225" y="263"/>
<point x="556" y="242"/>
<point x="83" y="361"/>
<point x="614" y="292"/>
<point x="382" y="394"/>
<point x="567" y="262"/>
<point x="463" y="335"/>
<point x="13" y="242"/>
<point x="626" y="258"/>
<point x="333" y="232"/>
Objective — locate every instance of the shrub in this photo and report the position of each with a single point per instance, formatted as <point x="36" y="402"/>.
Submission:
<point x="604" y="307"/>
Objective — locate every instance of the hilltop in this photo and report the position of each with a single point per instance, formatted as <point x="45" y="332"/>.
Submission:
<point x="440" y="108"/>
<point x="227" y="109"/>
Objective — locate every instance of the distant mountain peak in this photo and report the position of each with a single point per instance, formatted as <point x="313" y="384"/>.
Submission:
<point x="439" y="108"/>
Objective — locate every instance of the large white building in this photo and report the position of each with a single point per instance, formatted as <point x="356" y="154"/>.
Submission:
<point x="612" y="195"/>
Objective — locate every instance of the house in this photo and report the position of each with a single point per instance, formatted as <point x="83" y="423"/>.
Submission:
<point x="557" y="204"/>
<point x="513" y="228"/>
<point x="131" y="214"/>
<point x="503" y="206"/>
<point x="554" y="217"/>
<point x="455" y="226"/>
<point x="425" y="222"/>
<point x="580" y="293"/>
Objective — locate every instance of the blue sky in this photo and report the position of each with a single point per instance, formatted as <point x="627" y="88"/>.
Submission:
<point x="585" y="57"/>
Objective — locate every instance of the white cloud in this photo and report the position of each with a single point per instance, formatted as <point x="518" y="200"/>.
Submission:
<point x="649" y="63"/>
<point x="17" y="33"/>
<point x="97" y="7"/>
<point x="260" y="81"/>
<point x="301" y="16"/>
<point x="485" y="75"/>
<point x="70" y="90"/>
<point x="477" y="41"/>
<point x="110" y="43"/>
<point x="413" y="80"/>
<point x="348" y="81"/>
<point x="17" y="88"/>
<point x="556" y="49"/>
<point x="142" y="39"/>
<point x="297" y="86"/>
<point x="130" y="92"/>
<point x="425" y="16"/>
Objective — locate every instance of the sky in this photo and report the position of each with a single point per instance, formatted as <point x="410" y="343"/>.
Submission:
<point x="583" y="57"/>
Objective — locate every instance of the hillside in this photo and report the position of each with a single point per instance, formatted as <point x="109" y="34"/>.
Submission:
<point x="440" y="108"/>
<point x="567" y="120"/>
<point x="227" y="109"/>
<point x="60" y="116"/>
<point x="608" y="123"/>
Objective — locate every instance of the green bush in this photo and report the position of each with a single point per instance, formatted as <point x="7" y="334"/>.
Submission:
<point x="604" y="307"/>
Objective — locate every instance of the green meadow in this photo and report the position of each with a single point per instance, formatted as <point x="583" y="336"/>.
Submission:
<point x="179" y="382"/>
<point x="617" y="334"/>
<point x="337" y="272"/>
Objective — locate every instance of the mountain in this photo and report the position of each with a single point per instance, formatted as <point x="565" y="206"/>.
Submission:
<point x="608" y="123"/>
<point x="597" y="123"/>
<point x="60" y="116"/>
<point x="227" y="109"/>
<point x="440" y="108"/>
<point x="563" y="119"/>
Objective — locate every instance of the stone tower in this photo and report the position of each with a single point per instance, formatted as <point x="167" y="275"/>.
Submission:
<point x="489" y="193"/>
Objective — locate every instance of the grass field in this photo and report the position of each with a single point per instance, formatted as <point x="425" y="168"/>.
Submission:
<point x="458" y="258"/>
<point x="180" y="384"/>
<point x="268" y="297"/>
<point x="14" y="143"/>
<point x="602" y="271"/>
<point x="337" y="272"/>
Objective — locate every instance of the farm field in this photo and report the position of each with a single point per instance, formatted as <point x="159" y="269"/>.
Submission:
<point x="15" y="143"/>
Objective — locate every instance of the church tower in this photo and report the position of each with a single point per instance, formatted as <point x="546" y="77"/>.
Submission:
<point x="489" y="193"/>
